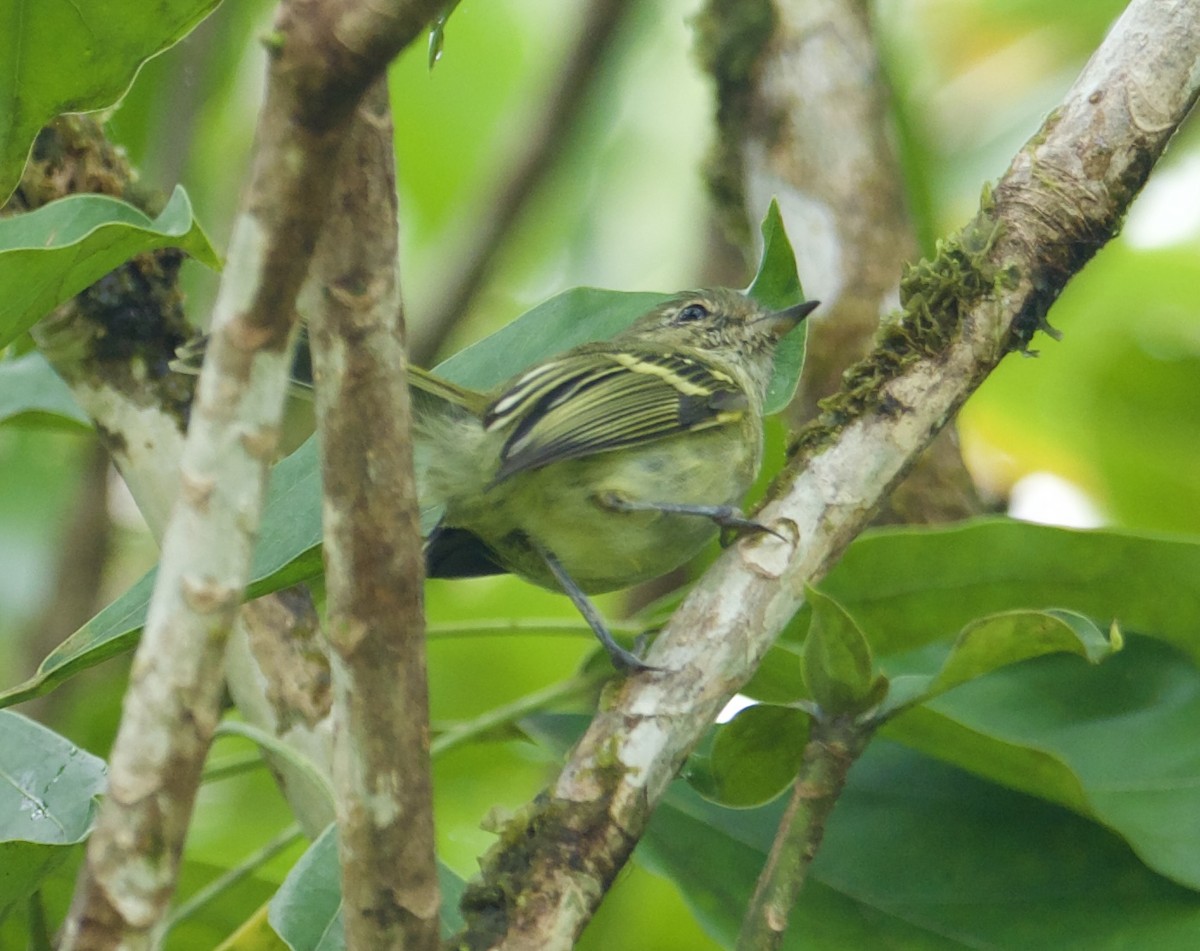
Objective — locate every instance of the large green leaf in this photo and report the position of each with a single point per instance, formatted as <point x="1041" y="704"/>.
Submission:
<point x="30" y="390"/>
<point x="49" y="255"/>
<point x="47" y="802"/>
<point x="907" y="587"/>
<point x="307" y="910"/>
<point x="75" y="57"/>
<point x="746" y="769"/>
<point x="911" y="590"/>
<point x="921" y="855"/>
<point x="289" y="544"/>
<point x="1116" y="743"/>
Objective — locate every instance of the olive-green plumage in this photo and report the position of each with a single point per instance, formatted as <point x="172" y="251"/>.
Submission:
<point x="577" y="456"/>
<point x="607" y="465"/>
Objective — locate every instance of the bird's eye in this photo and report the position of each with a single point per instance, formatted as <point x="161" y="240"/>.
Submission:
<point x="690" y="313"/>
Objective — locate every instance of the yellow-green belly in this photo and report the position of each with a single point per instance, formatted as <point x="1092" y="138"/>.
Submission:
<point x="559" y="507"/>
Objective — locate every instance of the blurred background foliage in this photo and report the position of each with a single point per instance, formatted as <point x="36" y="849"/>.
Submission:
<point x="1100" y="429"/>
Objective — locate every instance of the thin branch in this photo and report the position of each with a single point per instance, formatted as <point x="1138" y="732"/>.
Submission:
<point x="234" y="876"/>
<point x="509" y="713"/>
<point x="270" y="743"/>
<point x="324" y="57"/>
<point x="833" y="747"/>
<point x="988" y="289"/>
<point x="373" y="556"/>
<point x="542" y="148"/>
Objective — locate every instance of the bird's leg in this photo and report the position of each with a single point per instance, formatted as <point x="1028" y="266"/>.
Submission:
<point x="726" y="517"/>
<point x="621" y="658"/>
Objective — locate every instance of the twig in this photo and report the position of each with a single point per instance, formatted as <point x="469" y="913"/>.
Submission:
<point x="373" y="556"/>
<point x="543" y="147"/>
<point x="989" y="288"/>
<point x="270" y="743"/>
<point x="232" y="876"/>
<point x="511" y="712"/>
<point x="834" y="745"/>
<point x="172" y="705"/>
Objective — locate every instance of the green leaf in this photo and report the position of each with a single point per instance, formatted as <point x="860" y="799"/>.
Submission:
<point x="992" y="642"/>
<point x="836" y="659"/>
<point x="288" y="552"/>
<point x="306" y="912"/>
<point x="754" y="757"/>
<point x="921" y="855"/>
<point x="49" y="255"/>
<point x="579" y="315"/>
<point x="30" y="391"/>
<point x="75" y="57"/>
<point x="47" y="803"/>
<point x="1115" y="742"/>
<point x="908" y="587"/>
<point x="777" y="286"/>
<point x="913" y="589"/>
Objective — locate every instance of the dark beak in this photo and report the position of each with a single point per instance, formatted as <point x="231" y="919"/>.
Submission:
<point x="782" y="321"/>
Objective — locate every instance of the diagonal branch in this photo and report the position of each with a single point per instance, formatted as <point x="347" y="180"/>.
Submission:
<point x="830" y="161"/>
<point x="324" y="55"/>
<point x="988" y="289"/>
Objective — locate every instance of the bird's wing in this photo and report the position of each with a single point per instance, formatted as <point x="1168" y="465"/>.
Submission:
<point x="585" y="403"/>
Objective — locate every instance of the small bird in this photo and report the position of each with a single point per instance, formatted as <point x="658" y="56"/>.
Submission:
<point x="607" y="465"/>
<point x="610" y="464"/>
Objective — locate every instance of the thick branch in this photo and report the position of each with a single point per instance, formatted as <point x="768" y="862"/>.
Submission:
<point x="276" y="671"/>
<point x="808" y="124"/>
<point x="324" y="57"/>
<point x="373" y="557"/>
<point x="1061" y="199"/>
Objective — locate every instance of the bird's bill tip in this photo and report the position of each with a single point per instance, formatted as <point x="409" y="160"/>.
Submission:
<point x="784" y="320"/>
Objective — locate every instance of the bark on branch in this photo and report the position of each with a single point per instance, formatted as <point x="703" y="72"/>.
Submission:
<point x="373" y="556"/>
<point x="324" y="55"/>
<point x="986" y="291"/>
